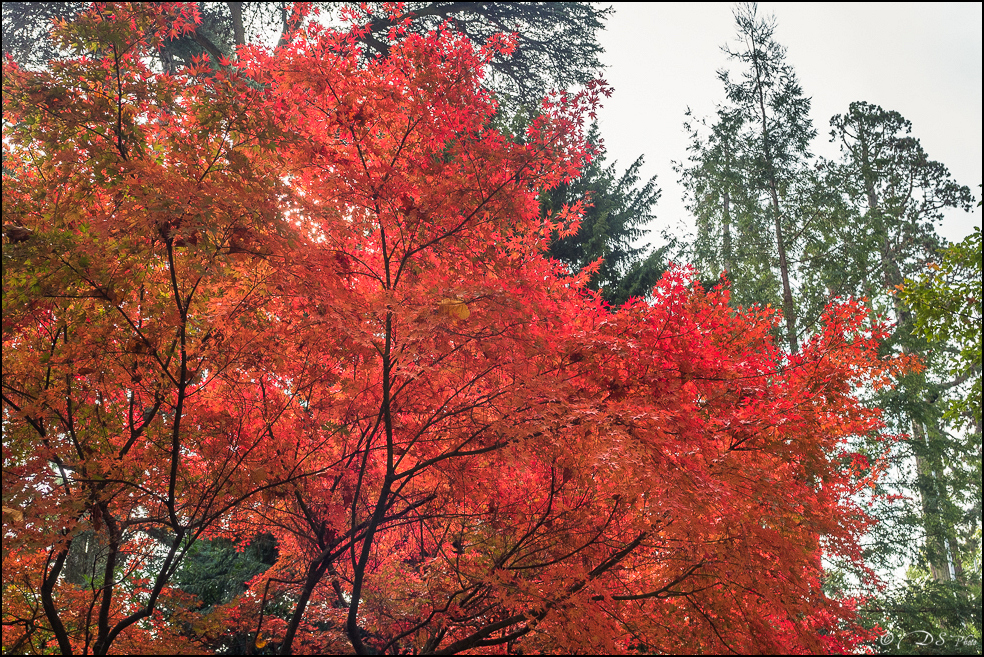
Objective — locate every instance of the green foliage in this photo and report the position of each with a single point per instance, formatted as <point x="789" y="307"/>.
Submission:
<point x="556" y="42"/>
<point x="744" y="177"/>
<point x="217" y="571"/>
<point x="732" y="235"/>
<point x="611" y="227"/>
<point x="893" y="196"/>
<point x="946" y="304"/>
<point x="926" y="617"/>
<point x="858" y="226"/>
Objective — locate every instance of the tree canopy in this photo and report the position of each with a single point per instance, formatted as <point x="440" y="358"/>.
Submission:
<point x="556" y="42"/>
<point x="305" y="301"/>
<point x="794" y="231"/>
<point x="744" y="176"/>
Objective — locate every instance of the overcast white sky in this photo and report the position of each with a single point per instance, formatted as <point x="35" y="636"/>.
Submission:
<point x="921" y="60"/>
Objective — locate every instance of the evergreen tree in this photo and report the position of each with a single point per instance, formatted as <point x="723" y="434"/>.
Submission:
<point x="927" y="617"/>
<point x="556" y="42"/>
<point x="612" y="226"/>
<point x="896" y="194"/>
<point x="730" y="237"/>
<point x="759" y="144"/>
<point x="893" y="196"/>
<point x="217" y="570"/>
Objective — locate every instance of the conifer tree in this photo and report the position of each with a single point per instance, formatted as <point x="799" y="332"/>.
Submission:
<point x="894" y="195"/>
<point x="761" y="143"/>
<point x="618" y="208"/>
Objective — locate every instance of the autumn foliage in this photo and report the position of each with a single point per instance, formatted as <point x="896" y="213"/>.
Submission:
<point x="306" y="295"/>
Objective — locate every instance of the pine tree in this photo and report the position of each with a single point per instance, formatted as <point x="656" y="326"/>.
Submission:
<point x="760" y="143"/>
<point x="612" y="226"/>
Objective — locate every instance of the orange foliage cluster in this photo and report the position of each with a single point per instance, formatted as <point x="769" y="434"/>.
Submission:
<point x="306" y="295"/>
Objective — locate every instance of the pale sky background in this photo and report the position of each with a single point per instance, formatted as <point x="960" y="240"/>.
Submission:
<point x="921" y="60"/>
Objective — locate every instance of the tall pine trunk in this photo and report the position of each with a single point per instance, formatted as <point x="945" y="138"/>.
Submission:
<point x="788" y="309"/>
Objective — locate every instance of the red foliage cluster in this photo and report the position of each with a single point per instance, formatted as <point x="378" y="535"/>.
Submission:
<point x="307" y="296"/>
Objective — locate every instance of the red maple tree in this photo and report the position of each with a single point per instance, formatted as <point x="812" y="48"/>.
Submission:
<point x="308" y="296"/>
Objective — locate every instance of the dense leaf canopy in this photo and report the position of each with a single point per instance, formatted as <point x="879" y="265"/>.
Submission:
<point x="303" y="304"/>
